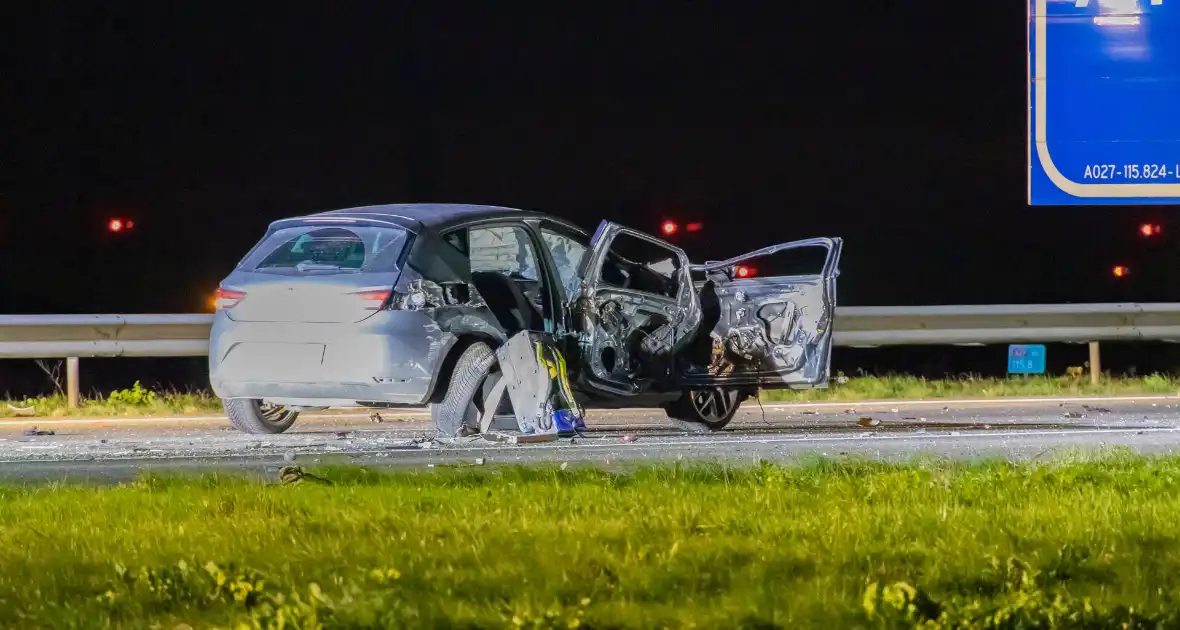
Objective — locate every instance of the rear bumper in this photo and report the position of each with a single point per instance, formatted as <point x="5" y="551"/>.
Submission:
<point x="319" y="394"/>
<point x="392" y="357"/>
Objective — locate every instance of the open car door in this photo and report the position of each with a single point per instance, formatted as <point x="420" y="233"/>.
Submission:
<point x="767" y="332"/>
<point x="636" y="309"/>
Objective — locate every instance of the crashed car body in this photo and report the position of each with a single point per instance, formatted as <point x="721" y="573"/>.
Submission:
<point x="404" y="305"/>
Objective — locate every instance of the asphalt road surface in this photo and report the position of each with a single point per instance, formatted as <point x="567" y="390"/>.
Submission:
<point x="119" y="449"/>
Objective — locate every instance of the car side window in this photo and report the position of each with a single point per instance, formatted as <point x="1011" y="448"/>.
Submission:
<point x="567" y="253"/>
<point x="641" y="265"/>
<point x="505" y="250"/>
<point x="458" y="240"/>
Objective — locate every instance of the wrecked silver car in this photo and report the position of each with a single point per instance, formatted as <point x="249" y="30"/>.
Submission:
<point x="405" y="305"/>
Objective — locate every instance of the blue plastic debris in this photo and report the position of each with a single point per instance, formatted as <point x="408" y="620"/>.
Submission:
<point x="568" y="424"/>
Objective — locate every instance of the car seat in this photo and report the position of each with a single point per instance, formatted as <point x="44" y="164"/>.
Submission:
<point x="508" y="303"/>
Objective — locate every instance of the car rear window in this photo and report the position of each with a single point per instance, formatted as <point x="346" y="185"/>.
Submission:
<point x="327" y="250"/>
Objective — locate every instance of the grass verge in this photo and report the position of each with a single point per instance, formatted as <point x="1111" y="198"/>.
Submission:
<point x="136" y="401"/>
<point x="139" y="401"/>
<point x="902" y="387"/>
<point x="1072" y="543"/>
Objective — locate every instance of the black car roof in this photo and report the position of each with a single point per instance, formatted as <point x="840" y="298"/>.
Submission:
<point x="433" y="216"/>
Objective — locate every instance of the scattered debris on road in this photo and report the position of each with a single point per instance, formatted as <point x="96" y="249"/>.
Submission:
<point x="295" y="474"/>
<point x="866" y="421"/>
<point x="511" y="438"/>
<point x="34" y="431"/>
<point x="629" y="438"/>
<point x="376" y="418"/>
<point x="1073" y="414"/>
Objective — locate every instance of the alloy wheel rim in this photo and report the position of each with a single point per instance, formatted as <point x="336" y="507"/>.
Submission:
<point x="711" y="405"/>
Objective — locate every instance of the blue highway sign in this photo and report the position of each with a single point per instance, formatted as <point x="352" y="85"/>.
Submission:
<point x="1104" y="102"/>
<point x="1026" y="359"/>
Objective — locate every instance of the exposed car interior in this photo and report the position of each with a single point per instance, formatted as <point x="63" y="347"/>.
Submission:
<point x="506" y="297"/>
<point x="631" y="334"/>
<point x="637" y="265"/>
<point x="505" y="272"/>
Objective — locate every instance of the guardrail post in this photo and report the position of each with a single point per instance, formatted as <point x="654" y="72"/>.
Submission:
<point x="72" y="382"/>
<point x="1095" y="363"/>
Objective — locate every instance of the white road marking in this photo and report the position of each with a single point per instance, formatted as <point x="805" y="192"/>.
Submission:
<point x="859" y="436"/>
<point x="33" y="420"/>
<point x="952" y="402"/>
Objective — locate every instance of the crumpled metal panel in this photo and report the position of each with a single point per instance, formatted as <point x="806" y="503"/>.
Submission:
<point x="527" y="382"/>
<point x="773" y="331"/>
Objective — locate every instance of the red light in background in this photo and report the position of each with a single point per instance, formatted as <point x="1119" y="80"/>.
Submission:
<point x="670" y="227"/>
<point x="744" y="271"/>
<point x="1149" y="229"/>
<point x="1120" y="271"/>
<point x="693" y="227"/>
<point x="119" y="225"/>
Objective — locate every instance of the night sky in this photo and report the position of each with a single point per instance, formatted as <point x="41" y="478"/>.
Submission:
<point x="899" y="126"/>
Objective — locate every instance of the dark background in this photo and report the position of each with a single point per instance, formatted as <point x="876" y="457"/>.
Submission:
<point x="899" y="126"/>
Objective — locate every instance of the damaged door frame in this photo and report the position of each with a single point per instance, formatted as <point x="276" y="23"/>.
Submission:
<point x="563" y="326"/>
<point x="683" y="312"/>
<point x="742" y="298"/>
<point x="831" y="261"/>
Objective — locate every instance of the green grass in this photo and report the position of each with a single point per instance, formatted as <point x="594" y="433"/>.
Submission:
<point x="1071" y="543"/>
<point x="902" y="387"/>
<point x="138" y="401"/>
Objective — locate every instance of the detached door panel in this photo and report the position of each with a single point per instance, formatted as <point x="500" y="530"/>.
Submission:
<point x="771" y="332"/>
<point x="636" y="309"/>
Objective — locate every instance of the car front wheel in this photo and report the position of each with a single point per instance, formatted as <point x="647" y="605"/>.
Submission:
<point x="701" y="410"/>
<point x="254" y="416"/>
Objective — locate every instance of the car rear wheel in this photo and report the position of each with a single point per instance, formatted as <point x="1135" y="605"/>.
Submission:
<point x="459" y="412"/>
<point x="254" y="416"/>
<point x="701" y="410"/>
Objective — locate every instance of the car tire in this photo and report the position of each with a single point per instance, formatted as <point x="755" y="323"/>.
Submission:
<point x="702" y="410"/>
<point x="254" y="416"/>
<point x="461" y="407"/>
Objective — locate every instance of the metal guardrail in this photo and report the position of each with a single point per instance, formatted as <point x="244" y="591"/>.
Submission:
<point x="62" y="336"/>
<point x="1005" y="323"/>
<point x="187" y="335"/>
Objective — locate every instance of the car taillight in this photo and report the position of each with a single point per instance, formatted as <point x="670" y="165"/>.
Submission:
<point x="227" y="298"/>
<point x="375" y="299"/>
